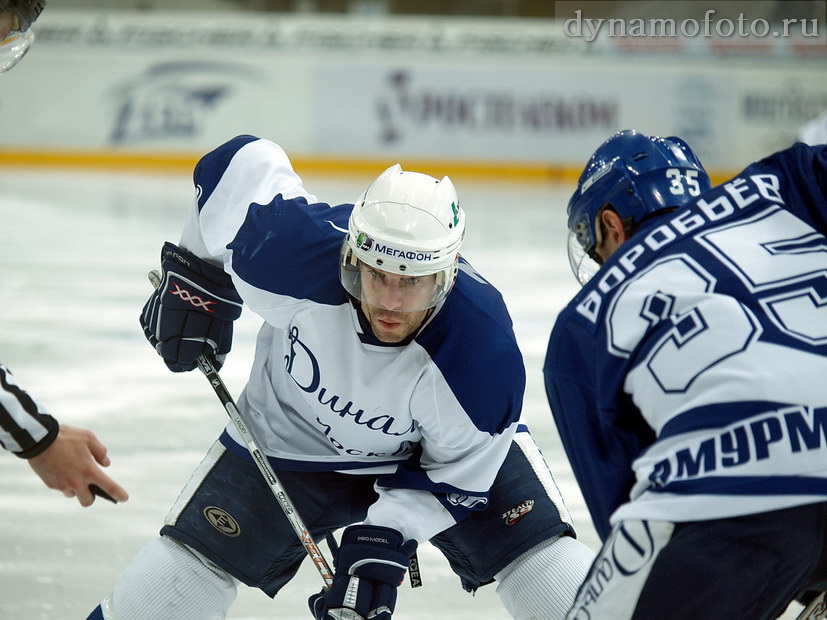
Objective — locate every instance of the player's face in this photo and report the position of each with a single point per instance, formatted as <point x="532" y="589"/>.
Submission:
<point x="395" y="305"/>
<point x="605" y="249"/>
<point x="8" y="23"/>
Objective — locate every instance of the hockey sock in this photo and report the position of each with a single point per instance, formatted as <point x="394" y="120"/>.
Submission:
<point x="167" y="580"/>
<point x="543" y="581"/>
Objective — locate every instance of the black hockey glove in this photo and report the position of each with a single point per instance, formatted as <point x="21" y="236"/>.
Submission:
<point x="370" y="565"/>
<point x="191" y="313"/>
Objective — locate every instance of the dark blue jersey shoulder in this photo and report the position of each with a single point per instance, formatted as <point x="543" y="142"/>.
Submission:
<point x="290" y="247"/>
<point x="804" y="169"/>
<point x="472" y="342"/>
<point x="210" y="168"/>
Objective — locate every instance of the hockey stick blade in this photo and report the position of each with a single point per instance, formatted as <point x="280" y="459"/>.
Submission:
<point x="96" y="490"/>
<point x="816" y="610"/>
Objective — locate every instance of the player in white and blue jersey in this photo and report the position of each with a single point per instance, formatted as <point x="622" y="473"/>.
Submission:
<point x="687" y="380"/>
<point x="386" y="392"/>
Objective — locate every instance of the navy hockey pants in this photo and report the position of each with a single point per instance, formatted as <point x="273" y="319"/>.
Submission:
<point x="228" y="513"/>
<point x="742" y="567"/>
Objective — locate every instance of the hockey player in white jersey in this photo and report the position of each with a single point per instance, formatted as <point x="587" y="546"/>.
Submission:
<point x="687" y="380"/>
<point x="386" y="392"/>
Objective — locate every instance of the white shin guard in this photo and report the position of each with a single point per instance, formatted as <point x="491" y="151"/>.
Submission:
<point x="169" y="581"/>
<point x="542" y="583"/>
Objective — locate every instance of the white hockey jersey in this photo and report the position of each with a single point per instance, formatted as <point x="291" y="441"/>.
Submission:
<point x="434" y="416"/>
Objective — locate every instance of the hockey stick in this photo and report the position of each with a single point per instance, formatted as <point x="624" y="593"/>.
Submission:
<point x="816" y="610"/>
<point x="96" y="490"/>
<point x="207" y="367"/>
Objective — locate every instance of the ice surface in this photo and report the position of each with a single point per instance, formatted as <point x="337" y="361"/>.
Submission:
<point x="76" y="247"/>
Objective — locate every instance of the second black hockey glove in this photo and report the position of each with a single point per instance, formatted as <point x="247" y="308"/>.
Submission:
<point x="370" y="566"/>
<point x="191" y="313"/>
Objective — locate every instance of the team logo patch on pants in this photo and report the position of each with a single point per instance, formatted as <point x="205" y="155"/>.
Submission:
<point x="222" y="521"/>
<point x="518" y="512"/>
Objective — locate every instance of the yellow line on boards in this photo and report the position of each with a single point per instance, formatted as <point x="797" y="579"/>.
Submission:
<point x="104" y="160"/>
<point x="176" y="162"/>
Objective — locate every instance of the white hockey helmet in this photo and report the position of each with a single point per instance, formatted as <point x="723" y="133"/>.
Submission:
<point x="16" y="16"/>
<point x="405" y="223"/>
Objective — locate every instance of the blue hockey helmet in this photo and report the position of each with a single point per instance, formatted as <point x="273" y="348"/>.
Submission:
<point x="636" y="175"/>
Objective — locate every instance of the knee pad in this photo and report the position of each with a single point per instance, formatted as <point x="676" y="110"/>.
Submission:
<point x="543" y="581"/>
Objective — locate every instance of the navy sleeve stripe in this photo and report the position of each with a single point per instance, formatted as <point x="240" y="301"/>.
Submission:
<point x="471" y="342"/>
<point x="747" y="485"/>
<point x="289" y="247"/>
<point x="717" y="415"/>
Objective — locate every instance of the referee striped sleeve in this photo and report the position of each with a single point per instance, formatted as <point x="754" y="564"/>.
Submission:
<point x="26" y="429"/>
